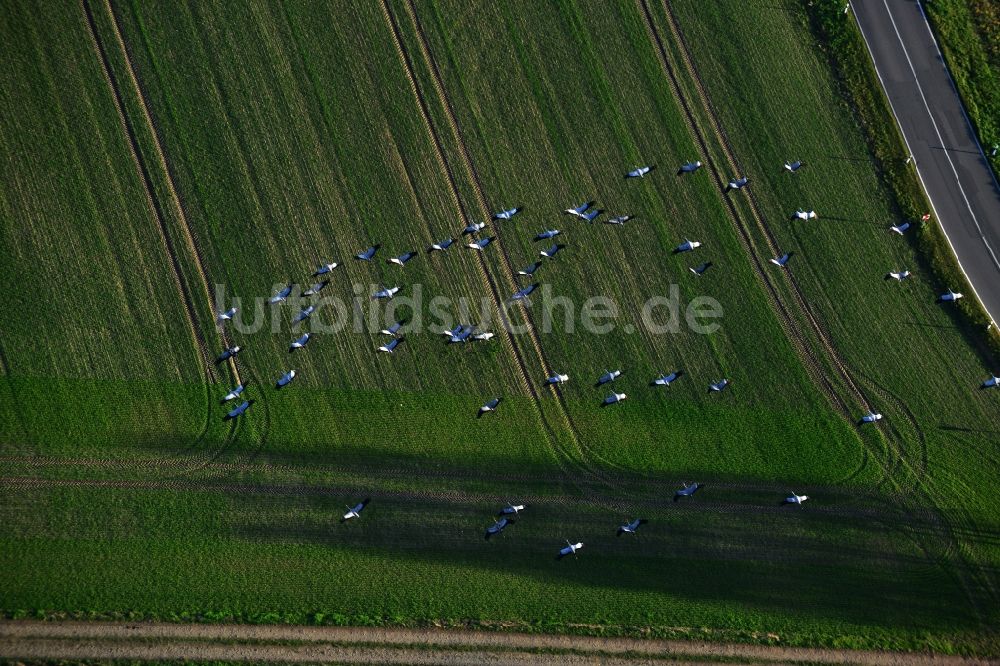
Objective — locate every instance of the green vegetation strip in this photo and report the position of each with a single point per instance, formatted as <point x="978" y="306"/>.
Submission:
<point x="968" y="32"/>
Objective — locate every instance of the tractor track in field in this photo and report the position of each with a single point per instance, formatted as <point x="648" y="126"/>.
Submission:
<point x="914" y="469"/>
<point x="187" y="299"/>
<point x="564" y="459"/>
<point x="812" y="365"/>
<point x="144" y="171"/>
<point x="893" y="438"/>
<point x="379" y="471"/>
<point x="154" y="205"/>
<point x="811" y="361"/>
<point x="42" y="462"/>
<point x="189" y="235"/>
<point x="658" y="492"/>
<point x="801" y="302"/>
<point x="582" y="450"/>
<point x="892" y="517"/>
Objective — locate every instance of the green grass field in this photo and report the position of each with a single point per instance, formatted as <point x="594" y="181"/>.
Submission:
<point x="261" y="140"/>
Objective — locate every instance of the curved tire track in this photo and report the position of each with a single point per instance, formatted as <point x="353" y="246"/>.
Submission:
<point x="915" y="470"/>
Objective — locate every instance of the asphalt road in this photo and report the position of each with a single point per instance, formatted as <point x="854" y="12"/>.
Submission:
<point x="964" y="193"/>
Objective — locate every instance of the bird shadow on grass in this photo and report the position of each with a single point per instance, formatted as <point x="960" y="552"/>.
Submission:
<point x="852" y="220"/>
<point x="927" y="325"/>
<point x="842" y="158"/>
<point x="352" y="459"/>
<point x="955" y="428"/>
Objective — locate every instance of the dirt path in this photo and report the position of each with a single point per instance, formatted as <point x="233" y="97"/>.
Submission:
<point x="109" y="640"/>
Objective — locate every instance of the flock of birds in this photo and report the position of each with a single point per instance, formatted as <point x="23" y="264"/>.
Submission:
<point x="463" y="333"/>
<point x="510" y="513"/>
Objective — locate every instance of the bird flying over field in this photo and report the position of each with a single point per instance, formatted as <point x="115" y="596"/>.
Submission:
<point x="385" y="293"/>
<point x="232" y="395"/>
<point x="687" y="490"/>
<point x="701" y="268"/>
<point x="390" y="346"/>
<point x="511" y="509"/>
<point x="299" y="343"/>
<point x="524" y="293"/>
<point x="570" y="549"/>
<point x="548" y="233"/>
<point x="631" y="528"/>
<point x="393" y="329"/>
<point x="687" y="246"/>
<point x="793" y="498"/>
<point x="666" y="380"/>
<point x="481" y="243"/>
<point x="285" y="379"/>
<point x="613" y="399"/>
<point x="718" y="386"/>
<point x="948" y="297"/>
<point x="551" y="251"/>
<point x="305" y="314"/>
<point x="227" y="354"/>
<point x="281" y="295"/>
<point x="366" y="255"/>
<point x="591" y="215"/>
<point x="804" y="215"/>
<point x="794" y="166"/>
<point x="324" y="269"/>
<point x="473" y="227"/>
<point x="355" y="511"/>
<point x="530" y="270"/>
<point x="482" y="336"/>
<point x="579" y="210"/>
<point x="464" y="334"/>
<point x="992" y="382"/>
<point x="237" y="411"/>
<point x="490" y="406"/>
<point x="608" y="376"/>
<point x="870" y="417"/>
<point x="899" y="276"/>
<point x="737" y="184"/>
<point x="507" y="214"/>
<point x="316" y="288"/>
<point x="441" y="246"/>
<point x="454" y="332"/>
<point x="688" y="167"/>
<point x="900" y="228"/>
<point x="619" y="220"/>
<point x="226" y="316"/>
<point x="640" y="172"/>
<point x="401" y="259"/>
<point x="460" y="333"/>
<point x="557" y="379"/>
<point x="782" y="260"/>
<point x="498" y="527"/>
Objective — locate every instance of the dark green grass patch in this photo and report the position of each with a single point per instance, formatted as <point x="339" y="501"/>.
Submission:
<point x="218" y="556"/>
